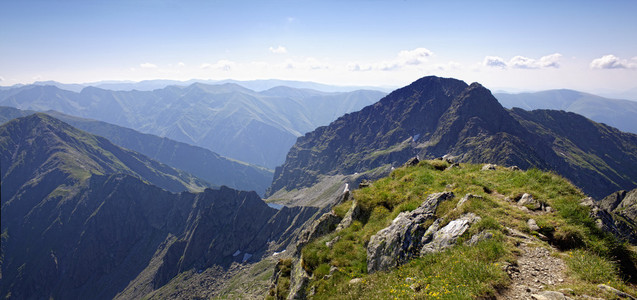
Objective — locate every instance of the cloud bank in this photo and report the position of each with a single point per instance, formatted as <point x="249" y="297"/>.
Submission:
<point x="522" y="62"/>
<point x="613" y="62"/>
<point x="279" y="50"/>
<point x="403" y="59"/>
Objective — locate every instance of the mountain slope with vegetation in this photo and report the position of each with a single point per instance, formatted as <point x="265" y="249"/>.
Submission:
<point x="529" y="234"/>
<point x="198" y="161"/>
<point x="236" y="122"/>
<point x="614" y="112"/>
<point x="85" y="219"/>
<point x="433" y="117"/>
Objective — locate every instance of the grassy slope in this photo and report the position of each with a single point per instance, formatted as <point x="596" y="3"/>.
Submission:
<point x="465" y="272"/>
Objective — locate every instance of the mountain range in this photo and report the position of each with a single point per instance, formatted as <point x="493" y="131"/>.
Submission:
<point x="85" y="219"/>
<point x="434" y="116"/>
<point x="236" y="122"/>
<point x="198" y="161"/>
<point x="617" y="113"/>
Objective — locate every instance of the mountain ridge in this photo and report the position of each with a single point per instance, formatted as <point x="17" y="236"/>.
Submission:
<point x="430" y="119"/>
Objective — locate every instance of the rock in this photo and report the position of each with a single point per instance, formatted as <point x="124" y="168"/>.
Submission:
<point x="324" y="225"/>
<point x="529" y="202"/>
<point x="549" y="295"/>
<point x="514" y="168"/>
<point x="352" y="214"/>
<point x="548" y="209"/>
<point x="331" y="242"/>
<point x="400" y="241"/>
<point x="453" y="166"/>
<point x="615" y="291"/>
<point x="409" y="280"/>
<point x="476" y="238"/>
<point x="449" y="158"/>
<point x="613" y="214"/>
<point x="298" y="281"/>
<point x="412" y="162"/>
<point x="488" y="167"/>
<point x="355" y="281"/>
<point x="364" y="183"/>
<point x="532" y="225"/>
<point x="467" y="197"/>
<point x="447" y="236"/>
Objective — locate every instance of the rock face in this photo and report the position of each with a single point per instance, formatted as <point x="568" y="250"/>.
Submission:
<point x="401" y="240"/>
<point x="617" y="214"/>
<point x="436" y="116"/>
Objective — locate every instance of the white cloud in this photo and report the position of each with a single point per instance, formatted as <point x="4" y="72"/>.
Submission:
<point x="522" y="62"/>
<point x="414" y="57"/>
<point x="223" y="65"/>
<point x="550" y="61"/>
<point x="148" y="66"/>
<point x="1" y="78"/>
<point x="403" y="59"/>
<point x="494" y="61"/>
<point x="613" y="62"/>
<point x="181" y="64"/>
<point x="278" y="50"/>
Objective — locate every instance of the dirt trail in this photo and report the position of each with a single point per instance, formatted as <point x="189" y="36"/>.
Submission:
<point x="535" y="269"/>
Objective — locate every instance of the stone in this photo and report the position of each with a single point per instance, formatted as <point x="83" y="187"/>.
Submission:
<point x="352" y="215"/>
<point x="447" y="236"/>
<point x="488" y="167"/>
<point x="514" y="168"/>
<point x="412" y="162"/>
<point x="529" y="202"/>
<point x="467" y="197"/>
<point x="331" y="242"/>
<point x="615" y="291"/>
<point x="356" y="281"/>
<point x="549" y="295"/>
<point x="532" y="225"/>
<point x="449" y="158"/>
<point x="324" y="225"/>
<point x="453" y="166"/>
<point x="476" y="238"/>
<point x="401" y="240"/>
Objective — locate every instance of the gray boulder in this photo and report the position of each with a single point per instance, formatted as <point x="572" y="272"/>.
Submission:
<point x="352" y="215"/>
<point x="488" y="167"/>
<point x="401" y="240"/>
<point x="528" y="201"/>
<point x="447" y="236"/>
<point x="324" y="225"/>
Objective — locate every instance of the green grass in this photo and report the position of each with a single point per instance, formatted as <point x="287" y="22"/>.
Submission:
<point x="461" y="272"/>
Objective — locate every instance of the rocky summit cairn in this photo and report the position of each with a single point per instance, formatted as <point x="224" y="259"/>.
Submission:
<point x="401" y="240"/>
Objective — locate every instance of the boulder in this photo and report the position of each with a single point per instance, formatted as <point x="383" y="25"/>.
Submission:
<point x="615" y="291"/>
<point x="488" y="167"/>
<point x="412" y="161"/>
<point x="476" y="238"/>
<point x="467" y="197"/>
<point x="401" y="240"/>
<point x="529" y="202"/>
<point x="324" y="225"/>
<point x="532" y="225"/>
<point x="352" y="214"/>
<point x="447" y="236"/>
<point x="549" y="295"/>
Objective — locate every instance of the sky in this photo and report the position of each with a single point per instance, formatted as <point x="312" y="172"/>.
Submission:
<point x="508" y="45"/>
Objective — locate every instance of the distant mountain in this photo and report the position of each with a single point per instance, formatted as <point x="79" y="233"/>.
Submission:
<point x="236" y="122"/>
<point x="617" y="113"/>
<point x="80" y="219"/>
<point x="36" y="146"/>
<point x="198" y="161"/>
<point x="436" y="116"/>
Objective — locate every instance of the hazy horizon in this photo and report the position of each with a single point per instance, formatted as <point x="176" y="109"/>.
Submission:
<point x="510" y="46"/>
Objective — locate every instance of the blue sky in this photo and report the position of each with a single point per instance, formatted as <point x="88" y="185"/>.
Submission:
<point x="516" y="45"/>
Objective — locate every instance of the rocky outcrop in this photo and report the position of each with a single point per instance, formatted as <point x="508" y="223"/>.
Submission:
<point x="529" y="202"/>
<point x="616" y="213"/>
<point x="447" y="236"/>
<point x="402" y="240"/>
<point x="353" y="214"/>
<point x="324" y="225"/>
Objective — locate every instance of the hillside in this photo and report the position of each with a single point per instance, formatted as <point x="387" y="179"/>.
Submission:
<point x="441" y="230"/>
<point x="198" y="161"/>
<point x="85" y="219"/>
<point x="236" y="122"/>
<point x="617" y="113"/>
<point x="435" y="116"/>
